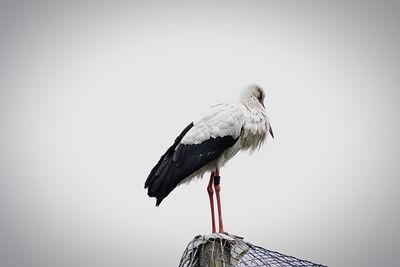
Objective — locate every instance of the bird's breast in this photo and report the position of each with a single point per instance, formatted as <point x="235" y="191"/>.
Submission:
<point x="254" y="131"/>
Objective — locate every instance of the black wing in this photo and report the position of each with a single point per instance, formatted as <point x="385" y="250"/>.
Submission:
<point x="180" y="161"/>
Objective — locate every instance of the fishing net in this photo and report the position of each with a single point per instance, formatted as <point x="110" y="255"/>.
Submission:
<point x="221" y="250"/>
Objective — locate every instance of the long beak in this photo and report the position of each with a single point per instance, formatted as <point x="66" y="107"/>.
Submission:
<point x="270" y="130"/>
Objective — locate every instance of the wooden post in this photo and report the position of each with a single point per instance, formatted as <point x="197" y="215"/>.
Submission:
<point x="213" y="254"/>
<point x="215" y="250"/>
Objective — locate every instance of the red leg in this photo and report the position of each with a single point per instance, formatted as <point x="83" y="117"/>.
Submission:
<point x="211" y="196"/>
<point x="217" y="191"/>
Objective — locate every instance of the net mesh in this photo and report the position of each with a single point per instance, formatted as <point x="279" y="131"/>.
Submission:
<point x="231" y="251"/>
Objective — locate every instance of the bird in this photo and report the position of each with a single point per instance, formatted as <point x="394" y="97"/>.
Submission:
<point x="205" y="145"/>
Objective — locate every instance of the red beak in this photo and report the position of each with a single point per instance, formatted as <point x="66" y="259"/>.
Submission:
<point x="270" y="130"/>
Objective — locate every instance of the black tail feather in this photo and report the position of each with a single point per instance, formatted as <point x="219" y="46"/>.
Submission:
<point x="157" y="184"/>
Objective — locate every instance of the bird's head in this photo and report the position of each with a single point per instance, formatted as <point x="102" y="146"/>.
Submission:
<point x="253" y="96"/>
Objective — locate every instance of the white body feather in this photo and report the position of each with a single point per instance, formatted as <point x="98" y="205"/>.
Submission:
<point x="246" y="120"/>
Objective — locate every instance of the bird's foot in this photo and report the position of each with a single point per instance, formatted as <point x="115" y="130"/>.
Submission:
<point x="232" y="235"/>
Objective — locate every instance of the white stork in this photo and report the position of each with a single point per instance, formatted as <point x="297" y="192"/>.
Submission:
<point x="207" y="144"/>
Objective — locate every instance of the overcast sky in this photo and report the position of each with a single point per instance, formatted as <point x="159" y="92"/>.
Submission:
<point x="93" y="94"/>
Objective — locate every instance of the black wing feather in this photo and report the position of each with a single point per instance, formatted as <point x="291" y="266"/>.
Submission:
<point x="168" y="153"/>
<point x="181" y="161"/>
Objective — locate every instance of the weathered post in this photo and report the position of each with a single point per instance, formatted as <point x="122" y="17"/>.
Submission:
<point x="215" y="250"/>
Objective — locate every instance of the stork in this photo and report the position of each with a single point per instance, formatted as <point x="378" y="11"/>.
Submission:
<point x="207" y="144"/>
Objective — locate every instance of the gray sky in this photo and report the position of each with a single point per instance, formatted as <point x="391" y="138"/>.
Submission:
<point x="93" y="94"/>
